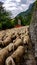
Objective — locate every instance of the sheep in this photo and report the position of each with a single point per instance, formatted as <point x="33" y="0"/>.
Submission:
<point x="26" y="39"/>
<point x="17" y="54"/>
<point x="5" y="51"/>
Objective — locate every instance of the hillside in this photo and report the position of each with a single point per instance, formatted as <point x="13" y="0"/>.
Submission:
<point x="25" y="17"/>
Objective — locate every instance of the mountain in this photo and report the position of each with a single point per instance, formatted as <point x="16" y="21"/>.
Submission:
<point x="25" y="17"/>
<point x="26" y="12"/>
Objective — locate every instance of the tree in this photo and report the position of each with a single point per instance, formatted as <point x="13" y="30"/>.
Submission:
<point x="5" y="20"/>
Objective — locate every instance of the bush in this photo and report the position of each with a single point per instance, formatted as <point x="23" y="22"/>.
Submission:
<point x="5" y="20"/>
<point x="0" y="25"/>
<point x="13" y="23"/>
<point x="6" y="25"/>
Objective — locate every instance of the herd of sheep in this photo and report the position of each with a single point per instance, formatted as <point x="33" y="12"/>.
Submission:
<point x="16" y="47"/>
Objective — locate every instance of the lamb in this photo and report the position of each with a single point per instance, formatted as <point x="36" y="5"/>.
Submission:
<point x="4" y="53"/>
<point x="16" y="55"/>
<point x="6" y="41"/>
<point x="26" y="39"/>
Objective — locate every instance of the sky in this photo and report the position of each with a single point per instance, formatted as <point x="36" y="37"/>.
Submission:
<point x="16" y="6"/>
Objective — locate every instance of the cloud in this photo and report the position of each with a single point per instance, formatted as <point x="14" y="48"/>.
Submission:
<point x="18" y="0"/>
<point x="11" y="4"/>
<point x="17" y="6"/>
<point x="24" y="7"/>
<point x="23" y="1"/>
<point x="30" y="1"/>
<point x="2" y="0"/>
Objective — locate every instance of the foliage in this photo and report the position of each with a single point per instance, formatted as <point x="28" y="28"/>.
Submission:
<point x="13" y="23"/>
<point x="0" y="26"/>
<point x="5" y="20"/>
